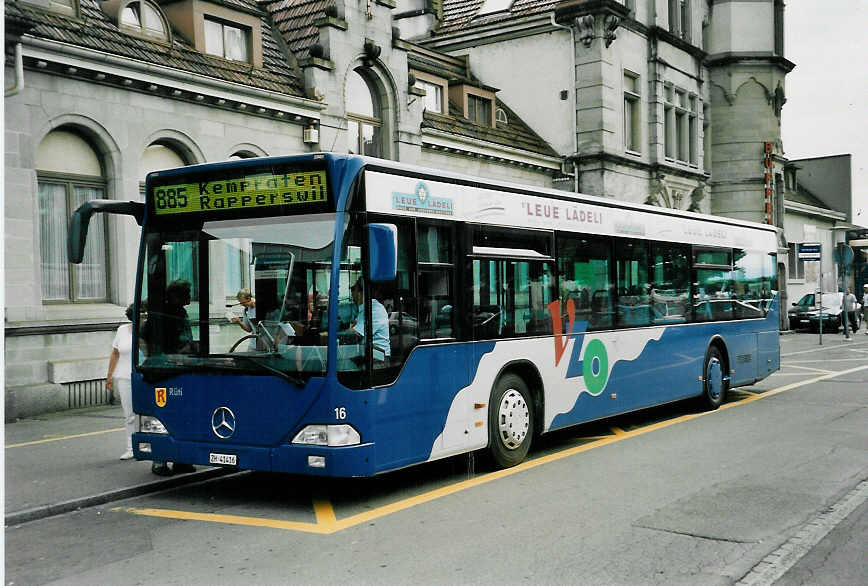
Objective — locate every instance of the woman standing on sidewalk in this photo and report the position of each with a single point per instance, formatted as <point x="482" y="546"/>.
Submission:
<point x="121" y="360"/>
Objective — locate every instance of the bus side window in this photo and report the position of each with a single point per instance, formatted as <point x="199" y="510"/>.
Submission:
<point x="583" y="264"/>
<point x="534" y="290"/>
<point x="670" y="283"/>
<point x="436" y="280"/>
<point x="713" y="288"/>
<point x="747" y="277"/>
<point x="489" y="291"/>
<point x="633" y="291"/>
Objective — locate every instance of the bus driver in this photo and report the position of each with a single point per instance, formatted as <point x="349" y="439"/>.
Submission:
<point x="379" y="319"/>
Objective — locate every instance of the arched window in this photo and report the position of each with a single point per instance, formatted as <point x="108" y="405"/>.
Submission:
<point x="144" y="18"/>
<point x="69" y="172"/>
<point x="364" y="122"/>
<point x="159" y="156"/>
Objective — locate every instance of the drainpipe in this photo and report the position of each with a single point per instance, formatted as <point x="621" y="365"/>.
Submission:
<point x="19" y="73"/>
<point x="574" y="98"/>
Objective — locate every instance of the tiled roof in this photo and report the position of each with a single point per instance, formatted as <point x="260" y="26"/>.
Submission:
<point x="438" y="64"/>
<point x="459" y="14"/>
<point x="95" y="30"/>
<point x="514" y="134"/>
<point x="294" y="19"/>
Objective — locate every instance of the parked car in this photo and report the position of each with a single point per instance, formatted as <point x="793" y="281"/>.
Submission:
<point x="831" y="313"/>
<point x="798" y="313"/>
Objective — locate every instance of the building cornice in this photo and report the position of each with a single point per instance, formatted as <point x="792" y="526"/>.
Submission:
<point x="437" y="140"/>
<point x="130" y="74"/>
<point x="659" y="33"/>
<point x="810" y="210"/>
<point x="749" y="58"/>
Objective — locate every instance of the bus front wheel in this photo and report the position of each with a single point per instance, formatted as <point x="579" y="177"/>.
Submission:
<point x="715" y="379"/>
<point x="510" y="421"/>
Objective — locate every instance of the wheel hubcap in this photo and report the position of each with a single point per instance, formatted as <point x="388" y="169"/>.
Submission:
<point x="513" y="419"/>
<point x="714" y="376"/>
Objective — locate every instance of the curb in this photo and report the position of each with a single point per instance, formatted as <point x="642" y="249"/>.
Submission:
<point x="51" y="510"/>
<point x="777" y="563"/>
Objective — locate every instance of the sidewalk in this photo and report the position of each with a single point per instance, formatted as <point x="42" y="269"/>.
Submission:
<point x="68" y="460"/>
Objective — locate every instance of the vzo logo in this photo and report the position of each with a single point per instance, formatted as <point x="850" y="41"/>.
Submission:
<point x="595" y="367"/>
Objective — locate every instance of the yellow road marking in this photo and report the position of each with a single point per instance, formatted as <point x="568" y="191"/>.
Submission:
<point x="617" y="430"/>
<point x="325" y="514"/>
<point x="327" y="523"/>
<point x="63" y="437"/>
<point x="228" y="519"/>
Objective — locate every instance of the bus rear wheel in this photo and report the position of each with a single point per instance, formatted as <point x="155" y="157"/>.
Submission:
<point x="510" y="421"/>
<point x="715" y="379"/>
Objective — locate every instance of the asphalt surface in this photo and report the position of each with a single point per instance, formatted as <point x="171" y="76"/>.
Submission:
<point x="69" y="461"/>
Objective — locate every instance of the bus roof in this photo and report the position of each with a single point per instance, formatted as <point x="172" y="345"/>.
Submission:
<point x="399" y="168"/>
<point x="452" y="177"/>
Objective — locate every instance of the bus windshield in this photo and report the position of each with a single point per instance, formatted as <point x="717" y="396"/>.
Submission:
<point x="243" y="294"/>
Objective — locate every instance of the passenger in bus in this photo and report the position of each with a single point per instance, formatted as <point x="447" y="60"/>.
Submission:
<point x="248" y="314"/>
<point x="379" y="319"/>
<point x="169" y="331"/>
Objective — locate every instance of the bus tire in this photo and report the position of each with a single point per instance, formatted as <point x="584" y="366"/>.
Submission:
<point x="715" y="379"/>
<point x="510" y="421"/>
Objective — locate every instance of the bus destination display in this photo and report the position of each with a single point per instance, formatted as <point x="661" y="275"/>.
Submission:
<point x="255" y="191"/>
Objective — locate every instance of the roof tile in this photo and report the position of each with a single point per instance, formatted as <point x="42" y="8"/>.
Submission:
<point x="95" y="30"/>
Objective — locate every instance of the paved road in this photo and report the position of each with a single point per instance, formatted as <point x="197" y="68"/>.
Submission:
<point x="665" y="496"/>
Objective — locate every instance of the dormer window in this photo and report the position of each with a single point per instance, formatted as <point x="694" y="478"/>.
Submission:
<point x="435" y="91"/>
<point x="217" y="28"/>
<point x="477" y="101"/>
<point x="145" y="19"/>
<point x="479" y="109"/>
<point x="227" y="41"/>
<point x="67" y="7"/>
<point x="433" y="96"/>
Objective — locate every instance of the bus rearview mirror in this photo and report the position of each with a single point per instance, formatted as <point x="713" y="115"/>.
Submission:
<point x="383" y="245"/>
<point x="81" y="220"/>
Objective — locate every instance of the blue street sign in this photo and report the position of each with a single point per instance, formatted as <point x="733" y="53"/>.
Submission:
<point x="810" y="250"/>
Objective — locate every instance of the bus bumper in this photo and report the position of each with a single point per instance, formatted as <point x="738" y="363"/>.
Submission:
<point x="311" y="460"/>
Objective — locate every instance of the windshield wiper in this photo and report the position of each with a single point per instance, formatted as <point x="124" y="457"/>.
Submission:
<point x="258" y="361"/>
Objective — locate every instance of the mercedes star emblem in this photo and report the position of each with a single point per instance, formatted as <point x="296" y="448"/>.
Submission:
<point x="223" y="422"/>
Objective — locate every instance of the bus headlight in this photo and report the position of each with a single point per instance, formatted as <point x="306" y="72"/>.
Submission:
<point x="328" y="435"/>
<point x="148" y="424"/>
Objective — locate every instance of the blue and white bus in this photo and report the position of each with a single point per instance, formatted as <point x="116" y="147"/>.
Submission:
<point x="399" y="315"/>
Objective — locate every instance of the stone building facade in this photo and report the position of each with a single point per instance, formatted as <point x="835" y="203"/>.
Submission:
<point x="644" y="100"/>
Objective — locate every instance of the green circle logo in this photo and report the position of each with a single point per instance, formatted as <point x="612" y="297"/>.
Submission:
<point x="595" y="367"/>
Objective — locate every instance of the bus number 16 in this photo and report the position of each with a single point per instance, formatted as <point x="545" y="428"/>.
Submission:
<point x="340" y="413"/>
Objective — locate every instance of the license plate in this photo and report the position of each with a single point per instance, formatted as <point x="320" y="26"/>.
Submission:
<point x="223" y="459"/>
